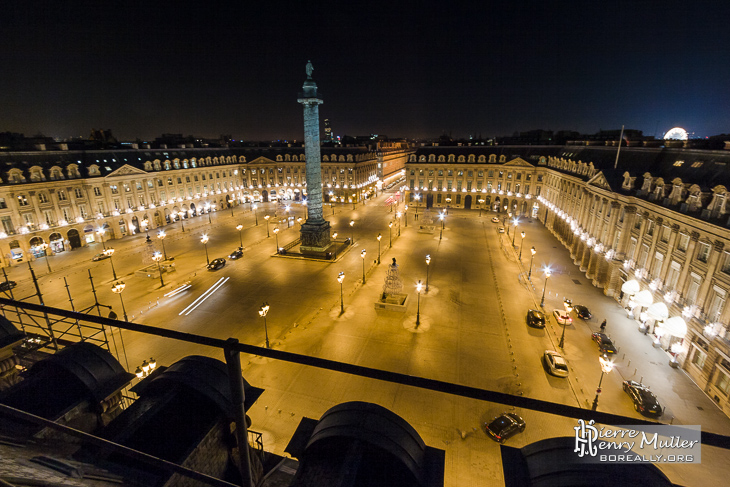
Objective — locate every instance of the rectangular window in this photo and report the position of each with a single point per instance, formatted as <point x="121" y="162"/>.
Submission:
<point x="139" y="185"/>
<point x="438" y="198"/>
<point x="527" y="189"/>
<point x="78" y="193"/>
<point x="694" y="286"/>
<point x="717" y="303"/>
<point x="127" y="189"/>
<point x="150" y="184"/>
<point x="440" y="184"/>
<point x="29" y="221"/>
<point x="100" y="205"/>
<point x="643" y="255"/>
<point x="97" y="192"/>
<point x="650" y="227"/>
<point x="169" y="181"/>
<point x="666" y="232"/>
<point x="67" y="214"/>
<point x="722" y="381"/>
<point x="704" y="252"/>
<point x="83" y="212"/>
<point x="683" y="242"/>
<point x="458" y="185"/>
<point x="479" y="185"/>
<point x="698" y="358"/>
<point x="725" y="266"/>
<point x="413" y="182"/>
<point x="448" y="185"/>
<point x="8" y="225"/>
<point x="114" y="189"/>
<point x="179" y="180"/>
<point x="2" y="203"/>
<point x="49" y="217"/>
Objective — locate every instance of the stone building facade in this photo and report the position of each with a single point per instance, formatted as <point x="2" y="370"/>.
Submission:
<point x="54" y="201"/>
<point x="655" y="215"/>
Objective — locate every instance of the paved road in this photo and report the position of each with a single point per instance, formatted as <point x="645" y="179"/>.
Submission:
<point x="472" y="327"/>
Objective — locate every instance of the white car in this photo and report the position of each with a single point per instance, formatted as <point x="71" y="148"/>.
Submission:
<point x="501" y="229"/>
<point x="495" y="219"/>
<point x="555" y="363"/>
<point x="562" y="317"/>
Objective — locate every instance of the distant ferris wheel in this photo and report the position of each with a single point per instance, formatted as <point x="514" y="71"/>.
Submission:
<point x="676" y="133"/>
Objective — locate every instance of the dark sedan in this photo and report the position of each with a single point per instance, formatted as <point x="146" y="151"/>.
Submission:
<point x="535" y="318"/>
<point x="7" y="285"/>
<point x="236" y="254"/>
<point x="503" y="427"/>
<point x="605" y="345"/>
<point x="645" y="402"/>
<point x="582" y="312"/>
<point x="216" y="264"/>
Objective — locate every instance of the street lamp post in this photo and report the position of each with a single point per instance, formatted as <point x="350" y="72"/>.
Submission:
<point x="266" y="217"/>
<point x="481" y="202"/>
<point x="398" y="214"/>
<point x="417" y="198"/>
<point x="547" y="276"/>
<point x="428" y="262"/>
<point x="441" y="232"/>
<point x="606" y="367"/>
<point x="182" y="223"/>
<point x="157" y="257"/>
<point x="390" y="234"/>
<point x="117" y="288"/>
<point x="286" y="209"/>
<point x="255" y="214"/>
<point x="334" y="239"/>
<point x="204" y="240"/>
<point x="240" y="238"/>
<point x="362" y="254"/>
<point x="161" y="235"/>
<point x="263" y="311"/>
<point x="101" y="233"/>
<point x="514" y="231"/>
<point x="379" y="237"/>
<point x="405" y="213"/>
<point x="448" y="203"/>
<point x="522" y="241"/>
<point x="145" y="226"/>
<point x="353" y="200"/>
<point x="504" y="221"/>
<point x="110" y="253"/>
<point x="276" y="234"/>
<point x="533" y="252"/>
<point x="44" y="246"/>
<point x="340" y="278"/>
<point x="418" y="312"/>
<point x="352" y="232"/>
<point x="208" y="209"/>
<point x="568" y="304"/>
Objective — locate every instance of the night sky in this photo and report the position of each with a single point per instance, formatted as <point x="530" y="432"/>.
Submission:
<point x="405" y="69"/>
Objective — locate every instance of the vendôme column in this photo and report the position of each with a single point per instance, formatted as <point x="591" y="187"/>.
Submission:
<point x="315" y="233"/>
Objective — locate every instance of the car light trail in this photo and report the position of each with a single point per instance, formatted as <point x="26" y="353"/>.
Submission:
<point x="177" y="291"/>
<point x="204" y="296"/>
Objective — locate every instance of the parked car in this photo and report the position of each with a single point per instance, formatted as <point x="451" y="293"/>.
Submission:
<point x="605" y="345"/>
<point x="216" y="264"/>
<point x="501" y="229"/>
<point x="555" y="363"/>
<point x="535" y="318"/>
<point x="7" y="285"/>
<point x="645" y="402"/>
<point x="495" y="219"/>
<point x="562" y="317"/>
<point x="582" y="312"/>
<point x="236" y="254"/>
<point x="98" y="257"/>
<point x="503" y="427"/>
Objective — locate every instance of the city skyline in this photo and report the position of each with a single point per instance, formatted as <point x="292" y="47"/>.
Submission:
<point x="398" y="72"/>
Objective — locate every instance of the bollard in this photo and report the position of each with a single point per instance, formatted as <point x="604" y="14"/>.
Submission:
<point x="629" y="364"/>
<point x="641" y="381"/>
<point x="623" y="357"/>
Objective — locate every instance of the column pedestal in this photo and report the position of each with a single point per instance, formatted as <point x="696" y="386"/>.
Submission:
<point x="315" y="239"/>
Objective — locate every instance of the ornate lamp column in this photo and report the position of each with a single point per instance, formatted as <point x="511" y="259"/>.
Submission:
<point x="315" y="232"/>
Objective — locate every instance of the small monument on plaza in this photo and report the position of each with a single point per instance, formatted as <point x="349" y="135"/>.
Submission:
<point x="392" y="298"/>
<point x="315" y="232"/>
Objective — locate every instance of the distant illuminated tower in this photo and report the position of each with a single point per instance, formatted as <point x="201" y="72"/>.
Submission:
<point x="328" y="131"/>
<point x="315" y="233"/>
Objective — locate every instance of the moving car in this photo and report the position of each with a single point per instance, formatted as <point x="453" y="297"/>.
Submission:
<point x="503" y="427"/>
<point x="535" y="318"/>
<point x="555" y="363"/>
<point x="605" y="345"/>
<point x="7" y="285"/>
<point x="98" y="257"/>
<point x="501" y="229"/>
<point x="495" y="219"/>
<point x="216" y="264"/>
<point x="582" y="312"/>
<point x="236" y="254"/>
<point x="645" y="402"/>
<point x="562" y="317"/>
